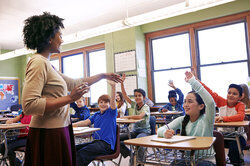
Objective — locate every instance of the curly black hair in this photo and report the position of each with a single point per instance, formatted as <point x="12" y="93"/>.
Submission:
<point x="39" y="29"/>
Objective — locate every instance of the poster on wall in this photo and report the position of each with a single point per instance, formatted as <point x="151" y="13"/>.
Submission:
<point x="9" y="92"/>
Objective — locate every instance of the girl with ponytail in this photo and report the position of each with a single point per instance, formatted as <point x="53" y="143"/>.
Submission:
<point x="199" y="107"/>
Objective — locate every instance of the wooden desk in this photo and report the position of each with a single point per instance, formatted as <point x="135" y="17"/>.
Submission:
<point x="199" y="143"/>
<point x="84" y="131"/>
<point x="127" y="121"/>
<point x="154" y="109"/>
<point x="165" y="113"/>
<point x="234" y="135"/>
<point x="232" y="124"/>
<point x="4" y="128"/>
<point x="3" y="120"/>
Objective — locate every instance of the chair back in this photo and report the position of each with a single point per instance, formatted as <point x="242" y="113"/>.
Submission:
<point x="152" y="122"/>
<point x="117" y="148"/>
<point x="219" y="148"/>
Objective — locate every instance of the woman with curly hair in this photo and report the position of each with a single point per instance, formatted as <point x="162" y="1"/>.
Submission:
<point x="45" y="95"/>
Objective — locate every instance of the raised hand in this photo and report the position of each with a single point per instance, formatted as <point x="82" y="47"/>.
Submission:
<point x="79" y="91"/>
<point x="189" y="75"/>
<point x="123" y="77"/>
<point x="171" y="84"/>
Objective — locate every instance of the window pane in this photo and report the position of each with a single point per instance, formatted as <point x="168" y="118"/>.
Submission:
<point x="222" y="44"/>
<point x="172" y="51"/>
<point x="97" y="63"/>
<point x="218" y="78"/>
<point x="161" y="83"/>
<point x="73" y="66"/>
<point x="55" y="63"/>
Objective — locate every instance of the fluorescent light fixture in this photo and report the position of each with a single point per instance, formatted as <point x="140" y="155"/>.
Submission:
<point x="156" y="15"/>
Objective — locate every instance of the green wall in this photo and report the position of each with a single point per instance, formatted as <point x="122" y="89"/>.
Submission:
<point x="131" y="39"/>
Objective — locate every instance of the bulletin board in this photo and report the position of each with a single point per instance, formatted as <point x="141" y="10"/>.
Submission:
<point x="125" y="61"/>
<point x="9" y="92"/>
<point x="130" y="84"/>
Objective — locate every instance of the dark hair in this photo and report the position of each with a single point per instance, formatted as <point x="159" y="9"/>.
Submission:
<point x="105" y="98"/>
<point x="172" y="93"/>
<point x="238" y="87"/>
<point x="141" y="91"/>
<point x="120" y="103"/>
<point x="187" y="117"/>
<point x="39" y="29"/>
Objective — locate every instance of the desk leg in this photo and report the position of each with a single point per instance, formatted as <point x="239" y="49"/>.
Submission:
<point x="239" y="147"/>
<point x="192" y="158"/>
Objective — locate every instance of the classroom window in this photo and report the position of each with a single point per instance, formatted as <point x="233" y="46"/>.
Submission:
<point x="73" y="65"/>
<point x="55" y="63"/>
<point x="223" y="56"/>
<point x="97" y="65"/>
<point x="171" y="58"/>
<point x="216" y="50"/>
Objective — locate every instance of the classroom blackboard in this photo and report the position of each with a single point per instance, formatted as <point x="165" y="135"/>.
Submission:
<point x="9" y="92"/>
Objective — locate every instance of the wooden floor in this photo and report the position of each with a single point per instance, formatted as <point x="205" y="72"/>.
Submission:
<point x="125" y="162"/>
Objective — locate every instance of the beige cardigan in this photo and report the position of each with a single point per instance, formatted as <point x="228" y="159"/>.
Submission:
<point x="43" y="81"/>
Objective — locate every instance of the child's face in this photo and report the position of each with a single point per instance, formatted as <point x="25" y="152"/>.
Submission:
<point x="191" y="106"/>
<point x="103" y="105"/>
<point x="139" y="97"/>
<point x="118" y="97"/>
<point x="172" y="101"/>
<point x="80" y="102"/>
<point x="233" y="96"/>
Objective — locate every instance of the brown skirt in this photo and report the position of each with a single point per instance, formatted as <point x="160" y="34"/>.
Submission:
<point x="50" y="147"/>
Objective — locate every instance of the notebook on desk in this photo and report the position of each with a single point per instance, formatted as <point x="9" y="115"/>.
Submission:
<point x="174" y="139"/>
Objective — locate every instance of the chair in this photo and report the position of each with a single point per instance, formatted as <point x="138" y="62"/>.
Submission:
<point x="152" y="122"/>
<point x="117" y="150"/>
<point x="219" y="148"/>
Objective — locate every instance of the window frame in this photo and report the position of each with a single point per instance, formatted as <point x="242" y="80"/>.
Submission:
<point x="192" y="30"/>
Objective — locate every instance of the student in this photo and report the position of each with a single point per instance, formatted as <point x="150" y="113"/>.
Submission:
<point x="81" y="110"/>
<point x="199" y="107"/>
<point x="105" y="138"/>
<point x="245" y="96"/>
<point x="230" y="110"/>
<point x="174" y="104"/>
<point x="140" y="111"/>
<point x="121" y="104"/>
<point x="19" y="141"/>
<point x="45" y="95"/>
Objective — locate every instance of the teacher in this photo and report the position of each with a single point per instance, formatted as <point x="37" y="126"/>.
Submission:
<point x="45" y="95"/>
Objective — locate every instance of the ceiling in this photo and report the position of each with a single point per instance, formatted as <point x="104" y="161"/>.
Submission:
<point x="79" y="15"/>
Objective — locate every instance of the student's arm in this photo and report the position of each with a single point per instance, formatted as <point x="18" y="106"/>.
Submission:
<point x="113" y="91"/>
<point x="74" y="106"/>
<point x="124" y="93"/>
<point x="206" y="97"/>
<point x="83" y="123"/>
<point x="181" y="96"/>
<point x="164" y="108"/>
<point x="217" y="99"/>
<point x="14" y="120"/>
<point x="174" y="125"/>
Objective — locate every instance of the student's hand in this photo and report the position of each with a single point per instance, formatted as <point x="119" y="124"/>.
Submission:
<point x="78" y="91"/>
<point x="124" y="117"/>
<point x="113" y="77"/>
<point x="218" y="119"/>
<point x="9" y="121"/>
<point x="169" y="133"/>
<point x="123" y="77"/>
<point x="171" y="84"/>
<point x="164" y="110"/>
<point x="189" y="75"/>
<point x="74" y="125"/>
